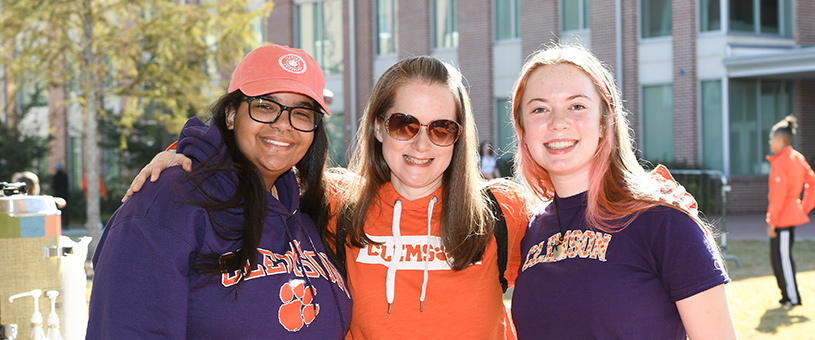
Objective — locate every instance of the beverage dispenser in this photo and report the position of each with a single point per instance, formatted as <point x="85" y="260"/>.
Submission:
<point x="35" y="256"/>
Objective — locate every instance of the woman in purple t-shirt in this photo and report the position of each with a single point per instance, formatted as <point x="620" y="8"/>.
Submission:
<point x="606" y="259"/>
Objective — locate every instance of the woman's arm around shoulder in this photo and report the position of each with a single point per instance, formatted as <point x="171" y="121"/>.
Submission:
<point x="152" y="170"/>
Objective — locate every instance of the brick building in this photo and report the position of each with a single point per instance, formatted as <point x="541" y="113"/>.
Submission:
<point x="704" y="80"/>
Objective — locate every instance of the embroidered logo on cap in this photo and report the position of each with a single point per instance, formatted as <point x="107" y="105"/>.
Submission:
<point x="292" y="63"/>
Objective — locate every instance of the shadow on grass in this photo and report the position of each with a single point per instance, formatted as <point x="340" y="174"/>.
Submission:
<point x="779" y="317"/>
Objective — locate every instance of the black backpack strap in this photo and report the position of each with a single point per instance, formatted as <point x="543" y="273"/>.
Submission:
<point x="339" y="247"/>
<point x="500" y="232"/>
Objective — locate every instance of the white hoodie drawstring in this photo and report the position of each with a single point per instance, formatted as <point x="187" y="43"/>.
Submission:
<point x="427" y="254"/>
<point x="397" y="254"/>
<point x="393" y="266"/>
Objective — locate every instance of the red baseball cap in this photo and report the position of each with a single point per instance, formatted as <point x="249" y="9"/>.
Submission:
<point x="275" y="68"/>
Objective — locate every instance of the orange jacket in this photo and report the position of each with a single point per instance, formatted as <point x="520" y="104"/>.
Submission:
<point x="789" y="175"/>
<point x="464" y="304"/>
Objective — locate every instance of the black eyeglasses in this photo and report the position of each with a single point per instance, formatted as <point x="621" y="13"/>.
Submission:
<point x="442" y="132"/>
<point x="267" y="111"/>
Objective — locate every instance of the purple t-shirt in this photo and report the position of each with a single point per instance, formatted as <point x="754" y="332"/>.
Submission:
<point x="616" y="285"/>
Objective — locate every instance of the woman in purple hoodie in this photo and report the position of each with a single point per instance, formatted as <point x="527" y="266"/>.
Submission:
<point x="233" y="249"/>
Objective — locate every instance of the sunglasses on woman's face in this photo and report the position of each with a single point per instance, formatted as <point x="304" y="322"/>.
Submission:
<point x="442" y="132"/>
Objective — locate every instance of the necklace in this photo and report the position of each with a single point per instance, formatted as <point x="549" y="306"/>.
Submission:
<point x="560" y="247"/>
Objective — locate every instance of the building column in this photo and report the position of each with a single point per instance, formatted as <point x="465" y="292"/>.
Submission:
<point x="805" y="112"/>
<point x="631" y="84"/>
<point x="475" y="60"/>
<point x="280" y="23"/>
<point x="414" y="28"/>
<point x="358" y="80"/>
<point x="685" y="85"/>
<point x="804" y="101"/>
<point x="604" y="33"/>
<point x="57" y="118"/>
<point x="540" y="24"/>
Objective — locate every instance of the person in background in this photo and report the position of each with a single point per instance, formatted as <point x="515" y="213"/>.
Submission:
<point x="59" y="186"/>
<point x="31" y="180"/>
<point x="233" y="249"/>
<point x="328" y="96"/>
<point x="606" y="259"/>
<point x="488" y="162"/>
<point x="790" y="175"/>
<point x="32" y="183"/>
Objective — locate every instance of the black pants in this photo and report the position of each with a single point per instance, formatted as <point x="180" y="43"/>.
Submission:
<point x="784" y="265"/>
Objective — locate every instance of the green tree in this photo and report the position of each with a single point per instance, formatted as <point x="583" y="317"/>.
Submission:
<point x="19" y="151"/>
<point x="143" y="53"/>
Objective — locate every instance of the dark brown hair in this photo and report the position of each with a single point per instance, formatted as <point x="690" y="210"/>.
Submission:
<point x="465" y="226"/>
<point x="250" y="195"/>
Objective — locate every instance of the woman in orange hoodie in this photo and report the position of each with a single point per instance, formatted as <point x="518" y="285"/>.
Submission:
<point x="414" y="233"/>
<point x="789" y="175"/>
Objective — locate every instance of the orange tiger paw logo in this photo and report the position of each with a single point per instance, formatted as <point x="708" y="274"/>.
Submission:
<point x="298" y="308"/>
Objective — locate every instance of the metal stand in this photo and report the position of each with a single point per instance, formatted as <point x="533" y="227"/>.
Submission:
<point x="725" y="255"/>
<point x="725" y="189"/>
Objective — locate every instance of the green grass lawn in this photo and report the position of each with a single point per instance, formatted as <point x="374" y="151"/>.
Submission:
<point x="754" y="294"/>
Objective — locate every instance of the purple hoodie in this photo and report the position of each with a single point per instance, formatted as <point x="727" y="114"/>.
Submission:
<point x="145" y="284"/>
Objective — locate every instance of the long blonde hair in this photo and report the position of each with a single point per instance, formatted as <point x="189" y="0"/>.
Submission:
<point x="619" y="188"/>
<point x="465" y="226"/>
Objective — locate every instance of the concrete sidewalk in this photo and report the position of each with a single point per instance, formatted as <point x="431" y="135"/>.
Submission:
<point x="753" y="227"/>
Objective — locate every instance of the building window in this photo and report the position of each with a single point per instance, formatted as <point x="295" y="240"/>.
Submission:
<point x="574" y="15"/>
<point x="710" y="15"/>
<point x="319" y="33"/>
<point x="445" y="23"/>
<point x="259" y="30"/>
<point x="755" y="105"/>
<point x="712" y="125"/>
<point x="507" y="19"/>
<point x="505" y="143"/>
<point x="656" y="18"/>
<point x="386" y="25"/>
<point x="75" y="168"/>
<point x="32" y="95"/>
<point x="258" y="24"/>
<point x="658" y="118"/>
<point x="761" y="16"/>
<point x="334" y="126"/>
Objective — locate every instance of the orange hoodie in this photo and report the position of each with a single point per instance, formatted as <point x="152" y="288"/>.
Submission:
<point x="789" y="175"/>
<point x="428" y="299"/>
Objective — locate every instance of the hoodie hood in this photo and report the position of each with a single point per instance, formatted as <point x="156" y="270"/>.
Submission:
<point x="388" y="197"/>
<point x="199" y="141"/>
<point x="204" y="143"/>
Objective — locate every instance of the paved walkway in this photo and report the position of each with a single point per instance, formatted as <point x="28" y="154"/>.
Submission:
<point x="753" y="227"/>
